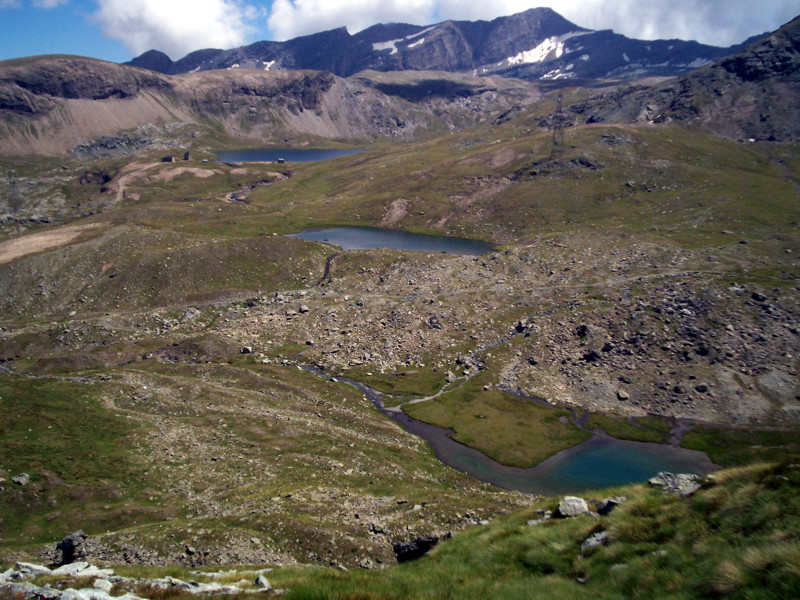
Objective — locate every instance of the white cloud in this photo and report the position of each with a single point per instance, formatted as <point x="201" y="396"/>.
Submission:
<point x="10" y="4"/>
<point x="721" y="22"/>
<point x="175" y="26"/>
<point x="291" y="18"/>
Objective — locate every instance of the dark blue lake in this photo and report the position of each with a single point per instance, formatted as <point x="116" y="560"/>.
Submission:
<point x="287" y="154"/>
<point x="364" y="238"/>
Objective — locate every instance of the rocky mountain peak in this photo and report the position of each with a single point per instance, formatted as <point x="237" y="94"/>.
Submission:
<point x="154" y="60"/>
<point x="775" y="55"/>
<point x="537" y="44"/>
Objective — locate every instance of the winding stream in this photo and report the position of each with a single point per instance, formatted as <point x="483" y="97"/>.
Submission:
<point x="597" y="463"/>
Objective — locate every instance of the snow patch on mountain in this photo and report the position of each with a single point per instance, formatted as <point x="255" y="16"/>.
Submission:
<point x="699" y="62"/>
<point x="556" y="74"/>
<point x="392" y="44"/>
<point x="554" y="44"/>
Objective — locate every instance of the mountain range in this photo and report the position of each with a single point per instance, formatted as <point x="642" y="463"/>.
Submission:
<point x="55" y="104"/>
<point x="538" y="44"/>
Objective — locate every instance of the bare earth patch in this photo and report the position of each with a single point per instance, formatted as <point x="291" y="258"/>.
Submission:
<point x="170" y="174"/>
<point x="37" y="242"/>
<point x="395" y="212"/>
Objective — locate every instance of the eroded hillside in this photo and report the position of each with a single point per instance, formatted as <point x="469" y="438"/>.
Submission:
<point x="51" y="105"/>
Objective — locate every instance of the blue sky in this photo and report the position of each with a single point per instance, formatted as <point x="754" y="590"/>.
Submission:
<point x="65" y="29"/>
<point x="118" y="30"/>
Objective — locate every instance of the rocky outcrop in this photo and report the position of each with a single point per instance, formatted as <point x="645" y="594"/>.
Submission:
<point x="735" y="96"/>
<point x="17" y="582"/>
<point x="73" y="547"/>
<point x="414" y="549"/>
<point x="76" y="78"/>
<point x="682" y="484"/>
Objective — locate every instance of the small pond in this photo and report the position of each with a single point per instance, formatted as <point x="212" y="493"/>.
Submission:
<point x="597" y="463"/>
<point x="364" y="238"/>
<point x="287" y="154"/>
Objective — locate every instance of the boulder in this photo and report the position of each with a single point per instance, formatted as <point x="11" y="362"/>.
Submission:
<point x="32" y="569"/>
<point x="104" y="585"/>
<point x="263" y="583"/>
<point x="683" y="484"/>
<point x="71" y="569"/>
<point x="605" y="507"/>
<point x="73" y="547"/>
<point x="416" y="548"/>
<point x="597" y="539"/>
<point x="571" y="506"/>
<point x="22" y="479"/>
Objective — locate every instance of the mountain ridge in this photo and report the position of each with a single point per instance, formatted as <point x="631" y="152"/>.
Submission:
<point x="537" y="44"/>
<point x="735" y="97"/>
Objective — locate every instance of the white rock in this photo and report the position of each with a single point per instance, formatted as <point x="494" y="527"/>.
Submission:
<point x="95" y="594"/>
<point x="571" y="506"/>
<point x="32" y="569"/>
<point x="82" y="569"/>
<point x="70" y="594"/>
<point x="103" y="585"/>
<point x="71" y="569"/>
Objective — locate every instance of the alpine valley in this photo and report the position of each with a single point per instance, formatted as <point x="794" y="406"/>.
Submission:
<point x="197" y="401"/>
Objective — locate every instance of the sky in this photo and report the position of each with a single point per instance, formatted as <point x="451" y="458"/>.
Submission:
<point x="118" y="30"/>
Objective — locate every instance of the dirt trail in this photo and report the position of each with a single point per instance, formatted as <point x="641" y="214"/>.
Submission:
<point x="135" y="170"/>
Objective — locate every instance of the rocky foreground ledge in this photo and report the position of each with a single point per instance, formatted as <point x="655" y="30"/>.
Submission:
<point x="107" y="585"/>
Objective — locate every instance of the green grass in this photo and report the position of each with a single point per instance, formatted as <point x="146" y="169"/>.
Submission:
<point x="650" y="429"/>
<point x="737" y="537"/>
<point x="673" y="196"/>
<point x="511" y="430"/>
<point x="79" y="456"/>
<point x="401" y="386"/>
<point x="740" y="446"/>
